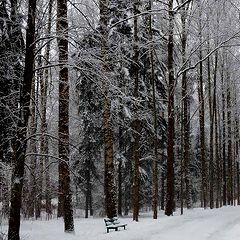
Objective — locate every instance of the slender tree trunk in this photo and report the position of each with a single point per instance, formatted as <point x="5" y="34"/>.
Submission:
<point x="88" y="190"/>
<point x="217" y="157"/>
<point x="63" y="127"/>
<point x="202" y="120"/>
<point x="229" y="145"/>
<point x="211" y="158"/>
<point x="224" y="161"/>
<point x="44" y="90"/>
<point x="238" y="184"/>
<point x="109" y="185"/>
<point x="39" y="174"/>
<point x="171" y="85"/>
<point x="120" y="187"/>
<point x="215" y="120"/>
<point x="21" y="144"/>
<point x="162" y="172"/>
<point x="136" y="123"/>
<point x="185" y="117"/>
<point x="33" y="160"/>
<point x="155" y="140"/>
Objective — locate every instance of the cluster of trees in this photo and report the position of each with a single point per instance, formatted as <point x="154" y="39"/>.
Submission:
<point x="116" y="106"/>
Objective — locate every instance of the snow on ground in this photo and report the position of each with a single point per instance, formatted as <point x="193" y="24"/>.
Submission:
<point x="197" y="224"/>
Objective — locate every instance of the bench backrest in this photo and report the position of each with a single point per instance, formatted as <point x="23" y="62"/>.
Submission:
<point x="111" y="221"/>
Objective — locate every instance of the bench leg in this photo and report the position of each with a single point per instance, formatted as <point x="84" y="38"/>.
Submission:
<point x="107" y="230"/>
<point x="116" y="229"/>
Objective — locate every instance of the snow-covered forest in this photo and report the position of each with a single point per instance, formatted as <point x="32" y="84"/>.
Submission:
<point x="119" y="108"/>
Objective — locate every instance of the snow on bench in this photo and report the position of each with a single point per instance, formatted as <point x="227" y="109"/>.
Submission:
<point x="113" y="223"/>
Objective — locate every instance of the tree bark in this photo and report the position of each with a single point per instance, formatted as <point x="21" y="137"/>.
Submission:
<point x="109" y="185"/>
<point x="21" y="144"/>
<point x="224" y="161"/>
<point x="185" y="114"/>
<point x="63" y="127"/>
<point x="136" y="123"/>
<point x="171" y="132"/>
<point x="202" y="120"/>
<point x="154" y="112"/>
<point x="44" y="90"/>
<point x="229" y="144"/>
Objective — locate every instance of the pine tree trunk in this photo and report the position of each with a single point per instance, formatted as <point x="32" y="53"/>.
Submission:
<point x="224" y="161"/>
<point x="238" y="184"/>
<point x="202" y="120"/>
<point x="88" y="187"/>
<point x="120" y="186"/>
<point x="229" y="145"/>
<point x="162" y="204"/>
<point x="136" y="123"/>
<point x="154" y="112"/>
<point x="21" y="144"/>
<point x="33" y="160"/>
<point x="44" y="140"/>
<point x="41" y="160"/>
<point x="63" y="127"/>
<point x="171" y="120"/>
<point x="109" y="185"/>
<point x="215" y="120"/>
<point x="211" y="158"/>
<point x="185" y="116"/>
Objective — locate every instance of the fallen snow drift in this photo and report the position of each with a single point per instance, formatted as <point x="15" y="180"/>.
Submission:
<point x="197" y="224"/>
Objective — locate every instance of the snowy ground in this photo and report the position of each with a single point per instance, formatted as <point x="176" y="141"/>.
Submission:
<point x="197" y="224"/>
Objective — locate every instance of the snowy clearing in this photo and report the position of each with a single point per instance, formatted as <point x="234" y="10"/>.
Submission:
<point x="197" y="224"/>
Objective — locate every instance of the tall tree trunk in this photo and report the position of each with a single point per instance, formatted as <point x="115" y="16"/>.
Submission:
<point x="229" y="144"/>
<point x="171" y="133"/>
<point x="215" y="120"/>
<point x="44" y="90"/>
<point x="63" y="127"/>
<point x="162" y="204"/>
<point x="120" y="186"/>
<point x="224" y="138"/>
<point x="136" y="123"/>
<point x="155" y="140"/>
<point x="21" y="144"/>
<point x="39" y="174"/>
<point x="185" y="117"/>
<point x="238" y="184"/>
<point x="202" y="119"/>
<point x="33" y="159"/>
<point x="211" y="157"/>
<point x="109" y="185"/>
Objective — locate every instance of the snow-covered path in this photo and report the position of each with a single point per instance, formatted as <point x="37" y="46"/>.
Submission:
<point x="197" y="224"/>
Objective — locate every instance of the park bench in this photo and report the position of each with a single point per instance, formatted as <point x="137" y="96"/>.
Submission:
<point x="113" y="223"/>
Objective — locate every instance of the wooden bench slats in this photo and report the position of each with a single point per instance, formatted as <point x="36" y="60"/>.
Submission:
<point x="113" y="223"/>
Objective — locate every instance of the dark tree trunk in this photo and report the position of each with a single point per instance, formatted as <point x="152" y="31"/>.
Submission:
<point x="211" y="158"/>
<point x="204" y="196"/>
<point x="171" y="120"/>
<point x="63" y="127"/>
<point x="224" y="161"/>
<point x="120" y="186"/>
<point x="21" y="144"/>
<point x="215" y="120"/>
<point x="33" y="160"/>
<point x="238" y="185"/>
<point x="109" y="185"/>
<point x="229" y="145"/>
<point x="40" y="171"/>
<point x="136" y="123"/>
<point x="154" y="112"/>
<point x="185" y="116"/>
<point x="88" y="187"/>
<point x="44" y="90"/>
